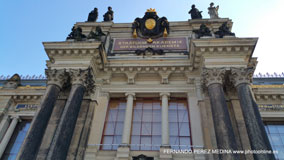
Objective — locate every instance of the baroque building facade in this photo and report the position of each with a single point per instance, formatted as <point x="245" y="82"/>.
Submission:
<point x="135" y="91"/>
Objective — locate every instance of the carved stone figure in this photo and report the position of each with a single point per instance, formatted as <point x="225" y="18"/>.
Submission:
<point x="195" y="13"/>
<point x="203" y="31"/>
<point x="213" y="11"/>
<point x="93" y="15"/>
<point x="76" y="34"/>
<point x="97" y="34"/>
<point x="224" y="31"/>
<point x="13" y="82"/>
<point x="108" y="16"/>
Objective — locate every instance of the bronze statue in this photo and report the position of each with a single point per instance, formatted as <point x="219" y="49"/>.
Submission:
<point x="203" y="31"/>
<point x="96" y="35"/>
<point x="224" y="31"/>
<point x="195" y="13"/>
<point x="76" y="34"/>
<point x="93" y="15"/>
<point x="108" y="16"/>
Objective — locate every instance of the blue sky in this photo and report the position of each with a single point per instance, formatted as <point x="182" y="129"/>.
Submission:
<point x="26" y="24"/>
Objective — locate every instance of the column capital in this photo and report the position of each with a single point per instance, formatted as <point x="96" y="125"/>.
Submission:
<point x="82" y="77"/>
<point x="56" y="77"/>
<point x="165" y="94"/>
<point x="213" y="75"/>
<point x="241" y="75"/>
<point x="130" y="94"/>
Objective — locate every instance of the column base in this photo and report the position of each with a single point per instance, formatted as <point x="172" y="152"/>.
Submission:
<point x="123" y="152"/>
<point x="165" y="153"/>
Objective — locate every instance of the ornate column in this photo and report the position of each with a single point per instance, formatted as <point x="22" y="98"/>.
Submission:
<point x="128" y="118"/>
<point x="4" y="126"/>
<point x="81" y="81"/>
<point x="165" y="119"/>
<point x="223" y="127"/>
<point x="241" y="78"/>
<point x="8" y="135"/>
<point x="55" y="81"/>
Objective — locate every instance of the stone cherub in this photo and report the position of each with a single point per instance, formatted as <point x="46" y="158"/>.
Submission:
<point x="213" y="11"/>
<point x="93" y="15"/>
<point x="195" y="13"/>
<point x="224" y="31"/>
<point x="97" y="34"/>
<point x="203" y="31"/>
<point x="108" y="16"/>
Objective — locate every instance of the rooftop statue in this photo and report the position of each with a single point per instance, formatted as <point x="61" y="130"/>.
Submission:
<point x="93" y="15"/>
<point x="224" y="31"/>
<point x="97" y="34"/>
<point x="13" y="82"/>
<point x="213" y="11"/>
<point x="203" y="31"/>
<point x="76" y="34"/>
<point x="108" y="16"/>
<point x="195" y="13"/>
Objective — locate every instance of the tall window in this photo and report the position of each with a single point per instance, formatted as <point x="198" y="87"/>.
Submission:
<point x="16" y="140"/>
<point x="179" y="124"/>
<point x="276" y="137"/>
<point x="146" y="125"/>
<point x="114" y="124"/>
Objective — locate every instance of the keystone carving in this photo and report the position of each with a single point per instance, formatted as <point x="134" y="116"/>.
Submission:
<point x="213" y="75"/>
<point x="56" y="77"/>
<point x="241" y="75"/>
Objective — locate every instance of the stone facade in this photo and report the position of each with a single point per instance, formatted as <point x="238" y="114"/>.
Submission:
<point x="213" y="74"/>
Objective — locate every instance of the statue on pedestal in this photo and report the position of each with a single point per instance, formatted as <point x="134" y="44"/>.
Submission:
<point x="195" y="13"/>
<point x="93" y="15"/>
<point x="108" y="16"/>
<point x="213" y="11"/>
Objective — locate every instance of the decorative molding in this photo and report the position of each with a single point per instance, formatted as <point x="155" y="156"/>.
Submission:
<point x="271" y="107"/>
<point x="267" y="86"/>
<point x="57" y="77"/>
<point x="241" y="75"/>
<point x="26" y="97"/>
<point x="213" y="75"/>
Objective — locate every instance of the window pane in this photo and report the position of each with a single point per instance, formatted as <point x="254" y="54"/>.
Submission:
<point x="137" y="115"/>
<point x="122" y="105"/>
<point x="173" y="105"/>
<point x="174" y="142"/>
<point x="119" y="128"/>
<point x="136" y="128"/>
<point x="156" y="105"/>
<point x="173" y="116"/>
<point x="147" y="115"/>
<point x="116" y="142"/>
<point x="156" y="142"/>
<point x="157" y="129"/>
<point x="272" y="129"/>
<point x="107" y="142"/>
<point x="157" y="116"/>
<point x="120" y="116"/>
<point x="276" y="139"/>
<point x="135" y="142"/>
<point x="182" y="116"/>
<point x="184" y="129"/>
<point x="109" y="130"/>
<point x="112" y="115"/>
<point x="280" y="128"/>
<point x="146" y="128"/>
<point x="147" y="105"/>
<point x="173" y="127"/>
<point x="185" y="143"/>
<point x="146" y="143"/>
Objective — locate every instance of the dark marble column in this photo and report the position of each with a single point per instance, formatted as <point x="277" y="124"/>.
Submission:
<point x="33" y="140"/>
<point x="223" y="126"/>
<point x="64" y="132"/>
<point x="255" y="128"/>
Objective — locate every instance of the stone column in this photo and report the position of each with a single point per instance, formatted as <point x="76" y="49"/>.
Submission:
<point x="128" y="118"/>
<point x="64" y="132"/>
<point x="4" y="126"/>
<point x="221" y="118"/>
<point x="241" y="79"/>
<point x="8" y="135"/>
<point x="165" y="119"/>
<point x="55" y="80"/>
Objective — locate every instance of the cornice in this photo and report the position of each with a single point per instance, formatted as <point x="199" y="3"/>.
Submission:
<point x="267" y="86"/>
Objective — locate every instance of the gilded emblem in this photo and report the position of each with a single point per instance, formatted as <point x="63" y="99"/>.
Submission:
<point x="150" y="23"/>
